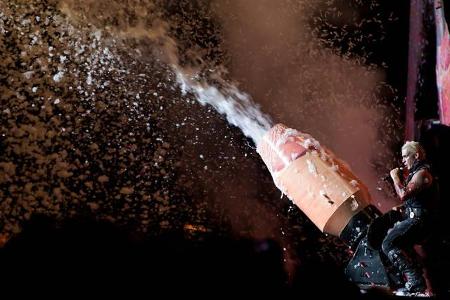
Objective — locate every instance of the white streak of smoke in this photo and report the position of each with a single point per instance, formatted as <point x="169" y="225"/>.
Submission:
<point x="237" y="106"/>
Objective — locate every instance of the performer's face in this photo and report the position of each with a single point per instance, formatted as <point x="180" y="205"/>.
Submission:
<point x="408" y="159"/>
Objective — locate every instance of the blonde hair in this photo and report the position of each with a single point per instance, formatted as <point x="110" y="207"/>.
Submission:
<point x="412" y="147"/>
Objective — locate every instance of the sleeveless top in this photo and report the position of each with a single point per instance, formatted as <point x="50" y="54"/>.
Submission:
<point x="425" y="198"/>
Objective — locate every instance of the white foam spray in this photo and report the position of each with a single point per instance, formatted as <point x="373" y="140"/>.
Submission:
<point x="237" y="106"/>
<point x="225" y="97"/>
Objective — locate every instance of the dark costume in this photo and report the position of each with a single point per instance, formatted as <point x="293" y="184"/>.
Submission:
<point x="411" y="229"/>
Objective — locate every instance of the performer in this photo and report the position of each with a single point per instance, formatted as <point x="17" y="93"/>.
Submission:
<point x="416" y="194"/>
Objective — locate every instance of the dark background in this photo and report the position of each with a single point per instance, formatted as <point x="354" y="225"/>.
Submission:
<point x="85" y="254"/>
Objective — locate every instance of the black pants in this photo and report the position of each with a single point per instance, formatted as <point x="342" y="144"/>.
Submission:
<point x="410" y="230"/>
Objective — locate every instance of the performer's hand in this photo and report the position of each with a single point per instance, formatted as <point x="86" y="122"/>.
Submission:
<point x="398" y="208"/>
<point x="395" y="174"/>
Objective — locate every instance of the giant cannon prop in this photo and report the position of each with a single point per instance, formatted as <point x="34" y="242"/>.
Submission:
<point x="332" y="197"/>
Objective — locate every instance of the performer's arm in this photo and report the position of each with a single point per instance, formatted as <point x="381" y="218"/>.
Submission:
<point x="422" y="179"/>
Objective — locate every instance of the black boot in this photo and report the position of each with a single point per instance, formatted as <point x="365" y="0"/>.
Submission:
<point x="415" y="282"/>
